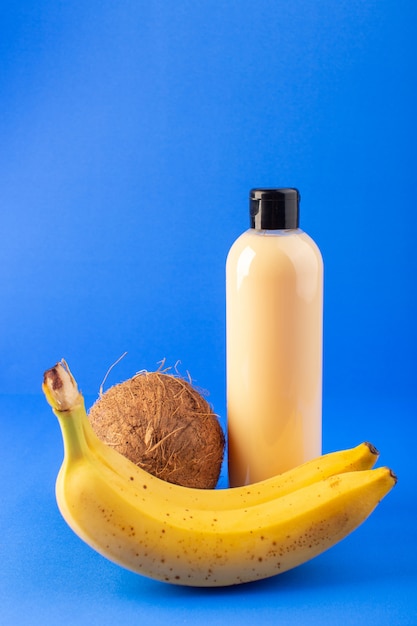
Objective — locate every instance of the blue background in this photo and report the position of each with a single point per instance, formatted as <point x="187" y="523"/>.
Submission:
<point x="131" y="133"/>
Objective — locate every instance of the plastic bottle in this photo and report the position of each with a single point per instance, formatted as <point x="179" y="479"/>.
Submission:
<point x="274" y="321"/>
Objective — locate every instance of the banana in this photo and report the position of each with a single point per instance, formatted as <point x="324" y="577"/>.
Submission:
<point x="160" y="532"/>
<point x="361" y="457"/>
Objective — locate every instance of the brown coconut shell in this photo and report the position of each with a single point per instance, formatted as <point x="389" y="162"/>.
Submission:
<point x="164" y="425"/>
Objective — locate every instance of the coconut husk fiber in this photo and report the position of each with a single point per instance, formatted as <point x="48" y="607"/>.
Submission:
<point x="164" y="425"/>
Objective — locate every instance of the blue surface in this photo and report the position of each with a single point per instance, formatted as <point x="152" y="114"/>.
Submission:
<point x="131" y="133"/>
<point x="50" y="576"/>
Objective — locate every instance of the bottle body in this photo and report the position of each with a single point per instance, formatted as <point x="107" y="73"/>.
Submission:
<point x="274" y="313"/>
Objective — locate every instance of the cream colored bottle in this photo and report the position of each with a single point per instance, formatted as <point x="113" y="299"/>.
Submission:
<point x="274" y="319"/>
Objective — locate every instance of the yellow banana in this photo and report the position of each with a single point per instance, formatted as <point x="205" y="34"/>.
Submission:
<point x="161" y="533"/>
<point x="361" y="457"/>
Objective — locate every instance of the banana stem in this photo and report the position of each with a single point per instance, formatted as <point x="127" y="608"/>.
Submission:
<point x="60" y="387"/>
<point x="61" y="391"/>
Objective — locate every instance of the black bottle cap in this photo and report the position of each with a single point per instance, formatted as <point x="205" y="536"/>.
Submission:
<point x="274" y="209"/>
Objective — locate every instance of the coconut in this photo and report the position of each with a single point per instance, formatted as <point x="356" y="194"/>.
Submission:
<point x="164" y="425"/>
